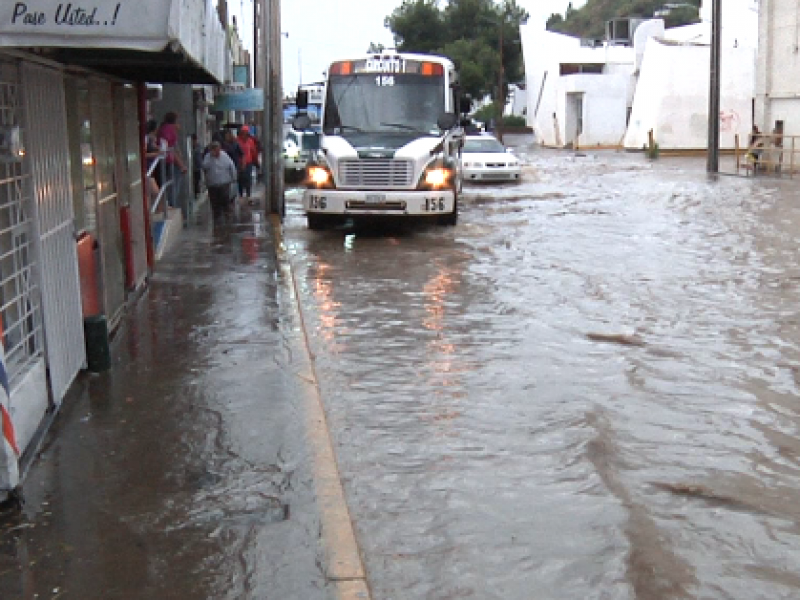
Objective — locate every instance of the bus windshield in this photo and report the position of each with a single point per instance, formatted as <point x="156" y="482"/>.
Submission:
<point x="374" y="102"/>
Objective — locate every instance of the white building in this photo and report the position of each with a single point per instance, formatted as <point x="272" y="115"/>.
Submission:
<point x="640" y="78"/>
<point x="778" y="67"/>
<point x="671" y="96"/>
<point x="577" y="93"/>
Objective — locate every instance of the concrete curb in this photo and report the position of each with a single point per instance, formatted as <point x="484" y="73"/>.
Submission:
<point x="343" y="565"/>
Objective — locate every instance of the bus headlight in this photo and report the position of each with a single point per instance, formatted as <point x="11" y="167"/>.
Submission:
<point x="320" y="176"/>
<point x="437" y="177"/>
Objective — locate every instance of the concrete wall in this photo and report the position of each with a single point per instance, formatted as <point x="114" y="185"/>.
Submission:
<point x="778" y="70"/>
<point x="672" y="96"/>
<point x="604" y="107"/>
<point x="665" y="82"/>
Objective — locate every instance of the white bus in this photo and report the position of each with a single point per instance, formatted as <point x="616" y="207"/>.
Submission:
<point x="391" y="141"/>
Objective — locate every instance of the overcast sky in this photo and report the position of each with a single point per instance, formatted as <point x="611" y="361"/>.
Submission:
<point x="320" y="31"/>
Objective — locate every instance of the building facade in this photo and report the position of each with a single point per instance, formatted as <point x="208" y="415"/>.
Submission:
<point x="642" y="79"/>
<point x="778" y="67"/>
<point x="74" y="216"/>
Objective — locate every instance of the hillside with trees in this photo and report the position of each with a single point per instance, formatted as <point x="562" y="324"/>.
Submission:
<point x="475" y="34"/>
<point x="589" y="20"/>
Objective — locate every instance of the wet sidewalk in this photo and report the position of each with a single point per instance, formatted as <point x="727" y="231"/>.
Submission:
<point x="184" y="471"/>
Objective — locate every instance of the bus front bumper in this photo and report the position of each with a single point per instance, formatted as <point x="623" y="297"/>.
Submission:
<point x="361" y="202"/>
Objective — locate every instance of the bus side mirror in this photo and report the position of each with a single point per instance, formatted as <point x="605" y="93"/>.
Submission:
<point x="465" y="105"/>
<point x="302" y="99"/>
<point x="301" y="122"/>
<point x="447" y="121"/>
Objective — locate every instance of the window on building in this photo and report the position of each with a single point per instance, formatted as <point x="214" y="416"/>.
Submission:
<point x="580" y="68"/>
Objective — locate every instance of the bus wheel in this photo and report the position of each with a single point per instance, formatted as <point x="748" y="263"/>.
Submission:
<point x="317" y="222"/>
<point x="451" y="219"/>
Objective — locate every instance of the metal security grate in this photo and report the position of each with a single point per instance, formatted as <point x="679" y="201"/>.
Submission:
<point x="377" y="173"/>
<point x="49" y="159"/>
<point x="19" y="306"/>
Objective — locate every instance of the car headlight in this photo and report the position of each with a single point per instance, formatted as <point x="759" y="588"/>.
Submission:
<point x="437" y="177"/>
<point x="320" y="177"/>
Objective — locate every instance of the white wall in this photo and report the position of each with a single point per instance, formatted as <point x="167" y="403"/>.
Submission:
<point x="518" y="103"/>
<point x="604" y="107"/>
<point x="543" y="52"/>
<point x="672" y="96"/>
<point x="778" y="83"/>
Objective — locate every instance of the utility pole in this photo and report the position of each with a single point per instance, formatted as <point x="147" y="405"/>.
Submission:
<point x="500" y="95"/>
<point x="256" y="45"/>
<point x="272" y="136"/>
<point x="712" y="165"/>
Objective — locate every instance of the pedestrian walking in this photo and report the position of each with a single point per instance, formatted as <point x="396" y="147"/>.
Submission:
<point x="197" y="165"/>
<point x="249" y="162"/>
<point x="152" y="152"/>
<point x="220" y="173"/>
<point x="168" y="138"/>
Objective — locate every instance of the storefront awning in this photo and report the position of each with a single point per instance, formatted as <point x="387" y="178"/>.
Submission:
<point x="148" y="40"/>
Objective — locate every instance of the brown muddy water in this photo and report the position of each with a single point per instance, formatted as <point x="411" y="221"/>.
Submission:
<point x="588" y="389"/>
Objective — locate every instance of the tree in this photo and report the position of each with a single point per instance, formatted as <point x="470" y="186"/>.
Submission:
<point x="553" y="22"/>
<point x="589" y="20"/>
<point x="375" y="48"/>
<point x="417" y="26"/>
<point x="476" y="62"/>
<point x="682" y="15"/>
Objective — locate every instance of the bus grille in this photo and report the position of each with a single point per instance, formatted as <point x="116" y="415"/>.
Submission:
<point x="376" y="173"/>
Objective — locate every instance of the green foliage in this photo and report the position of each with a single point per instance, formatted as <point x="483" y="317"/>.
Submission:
<point x="474" y="59"/>
<point x="486" y="113"/>
<point x="589" y="20"/>
<point x="471" y="33"/>
<point x="681" y="16"/>
<point x="514" y="121"/>
<point x="417" y="25"/>
<point x="554" y="21"/>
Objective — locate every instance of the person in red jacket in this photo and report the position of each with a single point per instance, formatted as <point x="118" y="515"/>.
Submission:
<point x="248" y="163"/>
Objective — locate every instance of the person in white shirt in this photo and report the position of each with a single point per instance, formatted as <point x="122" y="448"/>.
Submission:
<point x="220" y="173"/>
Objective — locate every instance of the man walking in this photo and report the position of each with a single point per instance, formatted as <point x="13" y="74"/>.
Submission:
<point x="220" y="174"/>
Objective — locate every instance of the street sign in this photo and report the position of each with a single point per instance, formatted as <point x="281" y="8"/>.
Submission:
<point x="247" y="99"/>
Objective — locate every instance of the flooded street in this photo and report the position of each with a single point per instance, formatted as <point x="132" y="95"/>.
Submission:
<point x="587" y="389"/>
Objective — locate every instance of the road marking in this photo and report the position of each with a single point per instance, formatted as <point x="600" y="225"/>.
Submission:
<point x="343" y="565"/>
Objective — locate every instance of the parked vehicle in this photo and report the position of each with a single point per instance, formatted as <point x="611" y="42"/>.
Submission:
<point x="484" y="158"/>
<point x="299" y="148"/>
<point x="390" y="141"/>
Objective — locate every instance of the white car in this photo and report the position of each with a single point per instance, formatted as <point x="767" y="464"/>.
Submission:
<point x="484" y="158"/>
<point x="298" y="148"/>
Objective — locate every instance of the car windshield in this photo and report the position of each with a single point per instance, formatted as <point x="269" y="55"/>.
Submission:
<point x="311" y="141"/>
<point x="487" y="144"/>
<point x="374" y="102"/>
